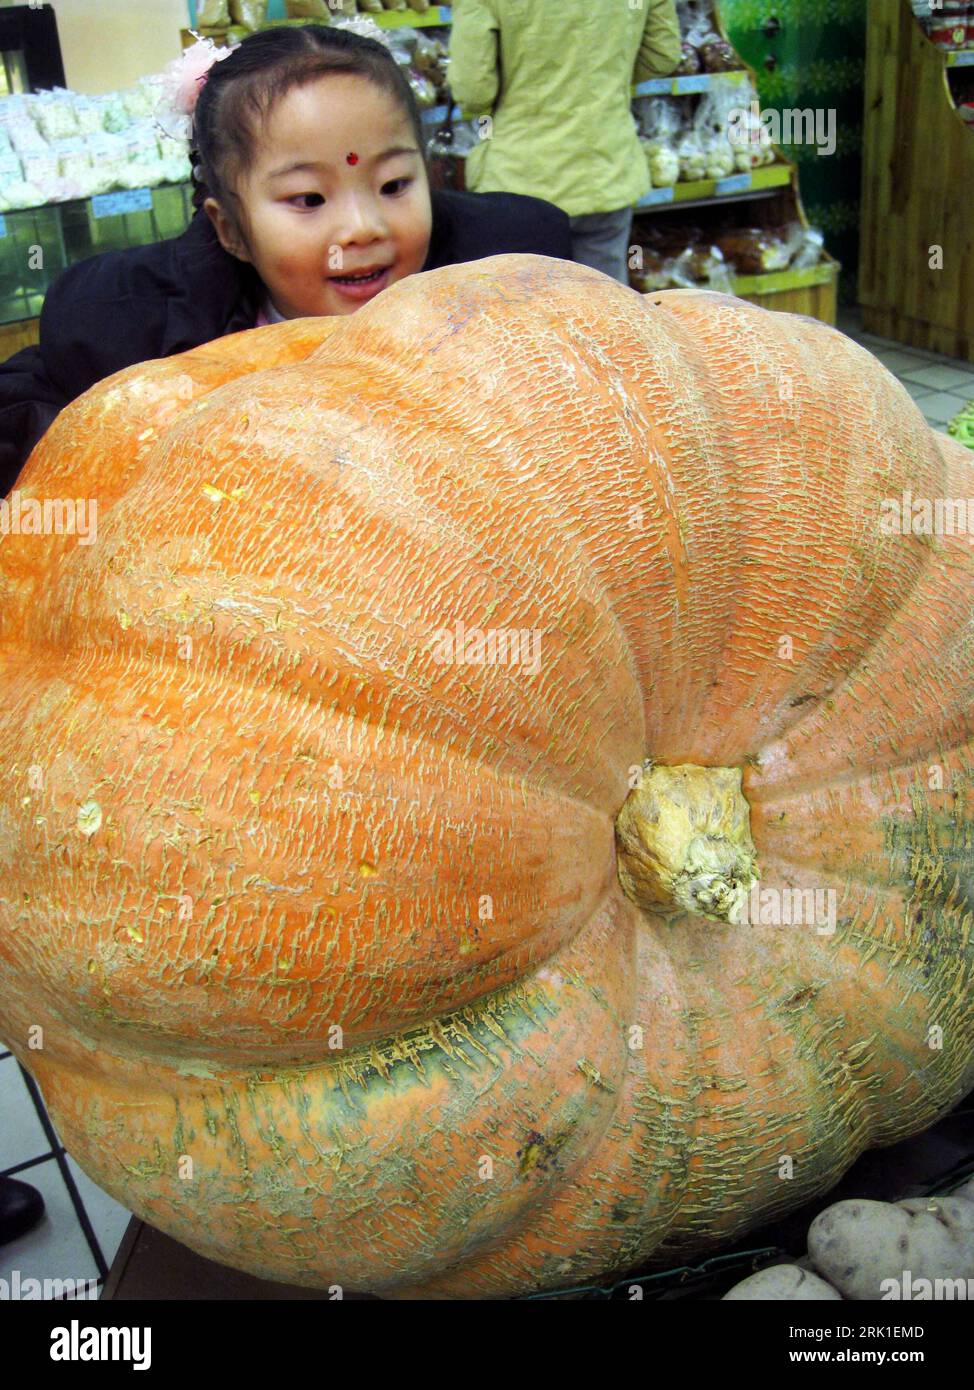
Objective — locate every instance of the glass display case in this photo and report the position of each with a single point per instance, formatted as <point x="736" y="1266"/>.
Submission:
<point x="38" y="243"/>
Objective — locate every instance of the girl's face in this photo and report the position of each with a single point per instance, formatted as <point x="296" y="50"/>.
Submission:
<point x="337" y="190"/>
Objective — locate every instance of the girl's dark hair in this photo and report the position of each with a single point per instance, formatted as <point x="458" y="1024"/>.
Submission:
<point x="240" y="91"/>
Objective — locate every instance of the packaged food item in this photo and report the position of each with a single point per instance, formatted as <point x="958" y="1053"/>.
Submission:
<point x="423" y="90"/>
<point x="689" y="61"/>
<point x="718" y="56"/>
<point x="651" y="275"/>
<point x="426" y="55"/>
<point x="395" y="4"/>
<point x="370" y="6"/>
<point x="41" y="169"/>
<point x="212" y="14"/>
<point x="310" y="9"/>
<point x="15" y="191"/>
<point x="251" y="14"/>
<point x="663" y="163"/>
<point x="74" y="162"/>
<point x="804" y="246"/>
<point x="677" y="256"/>
<point x="693" y="160"/>
<point x="55" y="114"/>
<point x="114" y="115"/>
<point x="88" y="114"/>
<point x="754" y="250"/>
<point x="11" y="169"/>
<point x="700" y="265"/>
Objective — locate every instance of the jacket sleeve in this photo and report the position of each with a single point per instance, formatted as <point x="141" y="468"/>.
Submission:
<point x="659" y="52"/>
<point x="91" y="326"/>
<point x="473" y="69"/>
<point x="29" y="401"/>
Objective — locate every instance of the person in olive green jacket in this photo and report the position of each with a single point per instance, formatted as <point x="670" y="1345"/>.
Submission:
<point x="554" y="76"/>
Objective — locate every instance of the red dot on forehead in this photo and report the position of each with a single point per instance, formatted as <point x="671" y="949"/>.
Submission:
<point x="351" y="158"/>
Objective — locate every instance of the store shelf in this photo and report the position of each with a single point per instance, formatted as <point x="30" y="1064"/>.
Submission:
<point x="72" y="231"/>
<point x="777" y="280"/>
<point x="686" y="86"/>
<point x="697" y="191"/>
<point x="435" y="17"/>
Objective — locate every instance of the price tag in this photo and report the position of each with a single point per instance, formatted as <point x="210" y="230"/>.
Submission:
<point x="3" y="225"/>
<point x="656" y="195"/>
<point x="653" y="86"/>
<point x="734" y="183"/>
<point x="129" y="200"/>
<point x="693" y="82"/>
<point x="963" y="59"/>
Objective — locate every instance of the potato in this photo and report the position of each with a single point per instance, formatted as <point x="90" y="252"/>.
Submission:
<point x="781" y="1282"/>
<point x="857" y="1245"/>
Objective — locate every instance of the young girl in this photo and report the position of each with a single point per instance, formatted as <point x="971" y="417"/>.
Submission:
<point x="312" y="196"/>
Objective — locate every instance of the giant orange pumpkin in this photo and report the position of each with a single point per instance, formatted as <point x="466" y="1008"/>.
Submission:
<point x="384" y="790"/>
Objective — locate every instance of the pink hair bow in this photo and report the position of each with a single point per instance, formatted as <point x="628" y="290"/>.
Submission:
<point x="185" y="77"/>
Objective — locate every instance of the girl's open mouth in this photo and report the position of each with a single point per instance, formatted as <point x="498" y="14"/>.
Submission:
<point x="361" y="286"/>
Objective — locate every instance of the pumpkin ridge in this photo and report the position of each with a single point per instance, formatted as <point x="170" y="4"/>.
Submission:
<point x="639" y="1108"/>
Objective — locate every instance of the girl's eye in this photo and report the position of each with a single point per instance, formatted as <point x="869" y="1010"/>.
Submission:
<point x="395" y="186"/>
<point x="298" y="196"/>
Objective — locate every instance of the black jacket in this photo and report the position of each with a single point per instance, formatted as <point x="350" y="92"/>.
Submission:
<point x="121" y="307"/>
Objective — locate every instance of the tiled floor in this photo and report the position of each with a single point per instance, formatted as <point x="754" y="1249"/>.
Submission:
<point x="81" y="1232"/>
<point x="941" y="386"/>
<point x="83" y="1226"/>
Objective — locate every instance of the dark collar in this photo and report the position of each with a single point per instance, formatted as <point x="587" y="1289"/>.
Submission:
<point x="210" y="284"/>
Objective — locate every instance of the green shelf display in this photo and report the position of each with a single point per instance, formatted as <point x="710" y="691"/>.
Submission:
<point x="707" y="190"/>
<point x="36" y="244"/>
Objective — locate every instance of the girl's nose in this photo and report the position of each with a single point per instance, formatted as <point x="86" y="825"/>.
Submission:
<point x="359" y="218"/>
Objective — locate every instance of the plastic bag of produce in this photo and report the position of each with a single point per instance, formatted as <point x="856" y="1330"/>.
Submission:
<point x="41" y="169"/>
<point x="693" y="159"/>
<point x="212" y="14"/>
<point x="663" y="163"/>
<point x="658" y="118"/>
<point x="74" y="160"/>
<point x="651" y="274"/>
<point x="55" y="114"/>
<point x="423" y="89"/>
<point x="251" y="14"/>
<point x="689" y="61"/>
<point x="805" y="246"/>
<point x="114" y="115"/>
<point x="755" y="250"/>
<point x="697" y="23"/>
<point x="307" y="9"/>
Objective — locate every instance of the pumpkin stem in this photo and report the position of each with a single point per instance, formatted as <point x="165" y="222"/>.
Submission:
<point x="684" y="841"/>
